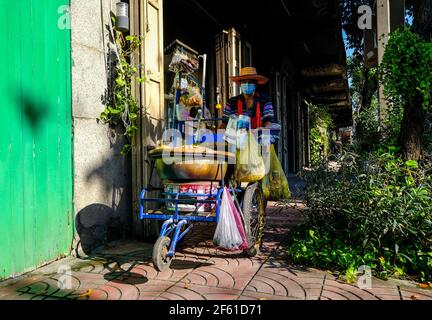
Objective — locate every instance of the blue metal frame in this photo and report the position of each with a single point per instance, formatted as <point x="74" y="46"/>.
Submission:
<point x="176" y="216"/>
<point x="175" y="221"/>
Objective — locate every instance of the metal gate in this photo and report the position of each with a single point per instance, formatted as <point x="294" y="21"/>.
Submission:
<point x="36" y="217"/>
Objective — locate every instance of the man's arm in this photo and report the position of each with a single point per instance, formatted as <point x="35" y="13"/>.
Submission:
<point x="267" y="114"/>
<point x="268" y="121"/>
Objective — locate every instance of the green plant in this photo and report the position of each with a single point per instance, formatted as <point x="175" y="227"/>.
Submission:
<point x="407" y="78"/>
<point x="320" y="124"/>
<point x="367" y="136"/>
<point x="376" y="212"/>
<point x="363" y="82"/>
<point x="122" y="107"/>
<point x="406" y="69"/>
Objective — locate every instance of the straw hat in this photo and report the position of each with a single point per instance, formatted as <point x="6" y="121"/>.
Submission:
<point x="249" y="73"/>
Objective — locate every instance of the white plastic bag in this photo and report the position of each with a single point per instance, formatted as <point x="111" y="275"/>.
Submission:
<point x="231" y="130"/>
<point x="227" y="234"/>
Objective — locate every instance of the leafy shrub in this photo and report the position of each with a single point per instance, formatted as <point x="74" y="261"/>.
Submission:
<point x="406" y="69"/>
<point x="320" y="123"/>
<point x="377" y="213"/>
<point x="367" y="135"/>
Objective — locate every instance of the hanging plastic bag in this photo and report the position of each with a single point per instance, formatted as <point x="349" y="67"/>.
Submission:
<point x="231" y="130"/>
<point x="249" y="162"/>
<point x="275" y="183"/>
<point x="238" y="220"/>
<point x="227" y="234"/>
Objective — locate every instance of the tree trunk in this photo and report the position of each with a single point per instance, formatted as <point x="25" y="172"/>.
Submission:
<point x="423" y="18"/>
<point x="411" y="132"/>
<point x="413" y="122"/>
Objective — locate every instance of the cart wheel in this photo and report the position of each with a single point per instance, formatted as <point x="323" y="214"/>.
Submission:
<point x="160" y="250"/>
<point x="254" y="217"/>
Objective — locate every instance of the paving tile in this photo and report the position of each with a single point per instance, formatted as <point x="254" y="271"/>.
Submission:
<point x="389" y="297"/>
<point x="217" y="277"/>
<point x="383" y="291"/>
<point x="248" y="295"/>
<point x="277" y="284"/>
<point x="91" y="294"/>
<point x="313" y="293"/>
<point x="205" y="292"/>
<point x="177" y="292"/>
<point x="128" y="291"/>
<point x="347" y="291"/>
<point x="416" y="294"/>
<point x="202" y="271"/>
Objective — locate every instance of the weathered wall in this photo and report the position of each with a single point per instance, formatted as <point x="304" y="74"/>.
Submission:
<point x="102" y="177"/>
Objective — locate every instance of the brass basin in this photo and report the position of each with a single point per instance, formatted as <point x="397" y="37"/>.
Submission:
<point x="191" y="163"/>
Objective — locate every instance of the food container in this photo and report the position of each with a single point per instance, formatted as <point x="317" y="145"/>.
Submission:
<point x="200" y="187"/>
<point x="192" y="163"/>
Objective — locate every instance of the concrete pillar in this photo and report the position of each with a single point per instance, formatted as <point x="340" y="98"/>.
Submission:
<point x="383" y="29"/>
<point x="102" y="177"/>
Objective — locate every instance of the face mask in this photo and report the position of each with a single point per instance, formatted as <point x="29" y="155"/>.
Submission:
<point x="248" y="88"/>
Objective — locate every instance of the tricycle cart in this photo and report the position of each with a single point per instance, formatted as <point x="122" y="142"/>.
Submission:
<point x="180" y="206"/>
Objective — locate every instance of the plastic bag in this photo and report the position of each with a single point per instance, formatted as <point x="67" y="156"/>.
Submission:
<point x="249" y="163"/>
<point x="227" y="234"/>
<point x="238" y="220"/>
<point x="191" y="96"/>
<point x="231" y="130"/>
<point x="275" y="183"/>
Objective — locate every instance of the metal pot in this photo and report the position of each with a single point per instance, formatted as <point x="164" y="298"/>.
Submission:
<point x="191" y="163"/>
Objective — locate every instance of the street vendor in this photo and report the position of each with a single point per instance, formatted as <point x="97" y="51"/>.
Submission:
<point x="251" y="103"/>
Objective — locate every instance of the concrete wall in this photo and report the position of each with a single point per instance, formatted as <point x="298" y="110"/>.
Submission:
<point x="102" y="177"/>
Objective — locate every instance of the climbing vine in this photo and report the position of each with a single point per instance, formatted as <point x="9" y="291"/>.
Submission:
<point x="406" y="74"/>
<point x="320" y="123"/>
<point x="406" y="69"/>
<point x="122" y="107"/>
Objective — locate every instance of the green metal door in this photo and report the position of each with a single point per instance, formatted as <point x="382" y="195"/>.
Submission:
<point x="35" y="135"/>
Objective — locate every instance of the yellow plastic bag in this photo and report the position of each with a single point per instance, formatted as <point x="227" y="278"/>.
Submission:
<point x="275" y="183"/>
<point x="249" y="162"/>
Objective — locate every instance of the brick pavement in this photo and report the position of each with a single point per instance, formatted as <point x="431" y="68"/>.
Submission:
<point x="201" y="271"/>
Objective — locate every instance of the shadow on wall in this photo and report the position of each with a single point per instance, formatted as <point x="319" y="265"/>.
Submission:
<point x="34" y="110"/>
<point x="109" y="219"/>
<point x="97" y="224"/>
<point x="92" y="224"/>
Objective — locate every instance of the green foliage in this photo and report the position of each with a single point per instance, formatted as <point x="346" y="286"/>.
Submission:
<point x="367" y="136"/>
<point x="122" y="107"/>
<point x="363" y="83"/>
<point x="320" y="123"/>
<point x="405" y="73"/>
<point x="406" y="70"/>
<point x="377" y="213"/>
<point x="428" y="136"/>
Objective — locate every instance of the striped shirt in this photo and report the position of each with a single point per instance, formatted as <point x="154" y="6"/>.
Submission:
<point x="267" y="113"/>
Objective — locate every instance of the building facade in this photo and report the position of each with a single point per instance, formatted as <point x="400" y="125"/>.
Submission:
<point x="65" y="186"/>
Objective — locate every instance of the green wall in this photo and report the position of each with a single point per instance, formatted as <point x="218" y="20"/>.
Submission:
<point x="36" y="213"/>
